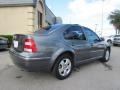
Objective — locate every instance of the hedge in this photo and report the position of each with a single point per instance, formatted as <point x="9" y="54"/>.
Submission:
<point x="10" y="38"/>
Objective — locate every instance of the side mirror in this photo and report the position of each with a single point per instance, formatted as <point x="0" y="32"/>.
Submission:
<point x="102" y="39"/>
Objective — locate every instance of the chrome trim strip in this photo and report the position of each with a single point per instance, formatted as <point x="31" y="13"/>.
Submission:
<point x="36" y="58"/>
<point x="98" y="51"/>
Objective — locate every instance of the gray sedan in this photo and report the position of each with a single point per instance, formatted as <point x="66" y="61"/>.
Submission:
<point x="58" y="48"/>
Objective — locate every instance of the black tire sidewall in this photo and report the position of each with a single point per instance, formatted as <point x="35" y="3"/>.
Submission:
<point x="104" y="57"/>
<point x="56" y="71"/>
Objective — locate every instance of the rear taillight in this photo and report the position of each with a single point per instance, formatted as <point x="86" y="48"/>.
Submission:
<point x="30" y="46"/>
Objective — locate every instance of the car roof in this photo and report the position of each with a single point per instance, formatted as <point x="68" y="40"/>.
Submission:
<point x="56" y="27"/>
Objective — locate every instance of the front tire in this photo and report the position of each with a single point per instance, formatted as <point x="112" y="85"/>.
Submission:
<point x="109" y="42"/>
<point x="63" y="67"/>
<point x="106" y="56"/>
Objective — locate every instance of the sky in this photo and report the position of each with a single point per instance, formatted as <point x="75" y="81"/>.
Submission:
<point x="90" y="13"/>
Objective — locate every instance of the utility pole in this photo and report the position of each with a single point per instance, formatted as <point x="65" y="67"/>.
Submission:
<point x="102" y="16"/>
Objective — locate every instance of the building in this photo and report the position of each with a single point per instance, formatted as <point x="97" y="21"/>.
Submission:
<point x="24" y="16"/>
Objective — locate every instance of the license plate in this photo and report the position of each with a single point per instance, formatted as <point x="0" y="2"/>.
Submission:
<point x="15" y="44"/>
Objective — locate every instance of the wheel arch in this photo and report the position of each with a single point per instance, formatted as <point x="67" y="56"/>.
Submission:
<point x="63" y="53"/>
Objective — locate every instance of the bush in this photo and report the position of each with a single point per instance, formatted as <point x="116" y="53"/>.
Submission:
<point x="9" y="37"/>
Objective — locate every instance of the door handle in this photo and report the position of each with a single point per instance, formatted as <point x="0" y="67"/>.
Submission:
<point x="73" y="45"/>
<point x="92" y="44"/>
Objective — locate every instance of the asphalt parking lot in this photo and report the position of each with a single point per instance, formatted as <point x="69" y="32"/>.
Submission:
<point x="90" y="76"/>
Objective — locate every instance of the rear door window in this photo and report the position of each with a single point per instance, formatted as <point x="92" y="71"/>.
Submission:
<point x="74" y="33"/>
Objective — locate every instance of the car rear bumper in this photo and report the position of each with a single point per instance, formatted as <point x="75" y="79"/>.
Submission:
<point x="31" y="64"/>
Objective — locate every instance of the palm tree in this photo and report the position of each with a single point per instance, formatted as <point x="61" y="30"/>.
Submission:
<point x="114" y="18"/>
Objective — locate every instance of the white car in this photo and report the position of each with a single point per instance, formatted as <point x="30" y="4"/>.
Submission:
<point x="116" y="40"/>
<point x="109" y="39"/>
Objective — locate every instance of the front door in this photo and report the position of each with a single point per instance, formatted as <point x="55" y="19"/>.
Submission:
<point x="97" y="46"/>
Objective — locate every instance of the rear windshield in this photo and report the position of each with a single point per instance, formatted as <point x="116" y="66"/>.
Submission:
<point x="117" y="35"/>
<point x="48" y="29"/>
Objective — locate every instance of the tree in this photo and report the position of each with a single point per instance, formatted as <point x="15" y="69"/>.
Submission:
<point x="114" y="18"/>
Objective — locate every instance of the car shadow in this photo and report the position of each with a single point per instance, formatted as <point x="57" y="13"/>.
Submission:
<point x="117" y="46"/>
<point x="86" y="65"/>
<point x="20" y="75"/>
<point x="46" y="76"/>
<point x="3" y="50"/>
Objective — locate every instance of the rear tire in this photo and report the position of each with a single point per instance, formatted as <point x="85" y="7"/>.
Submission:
<point x="63" y="67"/>
<point x="106" y="56"/>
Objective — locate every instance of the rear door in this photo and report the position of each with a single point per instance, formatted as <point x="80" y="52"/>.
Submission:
<point x="97" y="46"/>
<point x="75" y="36"/>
